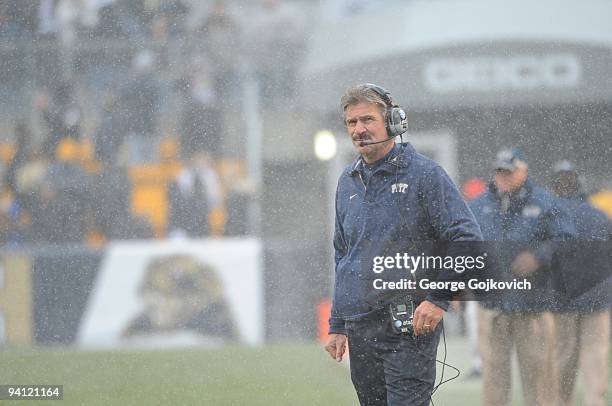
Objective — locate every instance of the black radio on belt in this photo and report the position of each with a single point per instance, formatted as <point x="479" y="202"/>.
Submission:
<point x="402" y="313"/>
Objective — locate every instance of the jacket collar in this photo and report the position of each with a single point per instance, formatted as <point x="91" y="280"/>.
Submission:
<point x="398" y="157"/>
<point x="518" y="197"/>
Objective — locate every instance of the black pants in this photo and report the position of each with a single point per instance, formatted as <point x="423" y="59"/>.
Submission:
<point x="388" y="369"/>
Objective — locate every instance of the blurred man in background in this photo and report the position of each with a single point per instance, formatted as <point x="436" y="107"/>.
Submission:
<point x="471" y="189"/>
<point x="201" y="119"/>
<point x="61" y="114"/>
<point x="62" y="207"/>
<point x="391" y="193"/>
<point x="582" y="323"/>
<point x="523" y="222"/>
<point x="193" y="196"/>
<point x="140" y="100"/>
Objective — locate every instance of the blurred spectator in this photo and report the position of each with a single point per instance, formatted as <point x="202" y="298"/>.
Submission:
<point x="109" y="23"/>
<point x="201" y="118"/>
<point x="221" y="35"/>
<point x="7" y="220"/>
<point x="46" y="224"/>
<point x="169" y="20"/>
<point x="112" y="206"/>
<point x="23" y="140"/>
<point x="123" y="18"/>
<point x="111" y="130"/>
<point x="12" y="221"/>
<point x="73" y="17"/>
<point x="276" y="46"/>
<point x="240" y="192"/>
<point x="8" y="26"/>
<point x="63" y="203"/>
<point x="140" y="101"/>
<point x="194" y="194"/>
<point x="30" y="177"/>
<point x="18" y="18"/>
<point x="60" y="113"/>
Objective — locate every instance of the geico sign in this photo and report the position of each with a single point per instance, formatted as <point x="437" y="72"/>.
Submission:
<point x="494" y="73"/>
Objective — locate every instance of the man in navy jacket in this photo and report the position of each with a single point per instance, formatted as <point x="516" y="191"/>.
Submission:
<point x="390" y="195"/>
<point x="523" y="226"/>
<point x="582" y="311"/>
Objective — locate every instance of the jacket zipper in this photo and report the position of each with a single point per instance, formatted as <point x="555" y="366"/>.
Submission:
<point x="362" y="182"/>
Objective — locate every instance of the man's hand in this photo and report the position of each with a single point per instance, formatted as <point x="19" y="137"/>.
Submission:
<point x="524" y="264"/>
<point x="336" y="346"/>
<point x="426" y="318"/>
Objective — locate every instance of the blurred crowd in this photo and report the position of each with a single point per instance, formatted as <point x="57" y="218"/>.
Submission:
<point x="132" y="150"/>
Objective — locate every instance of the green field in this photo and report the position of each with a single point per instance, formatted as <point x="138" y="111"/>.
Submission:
<point x="297" y="374"/>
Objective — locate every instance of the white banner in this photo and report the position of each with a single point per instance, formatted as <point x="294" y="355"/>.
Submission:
<point x="176" y="293"/>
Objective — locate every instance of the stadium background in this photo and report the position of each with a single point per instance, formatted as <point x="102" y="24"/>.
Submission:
<point x="266" y="76"/>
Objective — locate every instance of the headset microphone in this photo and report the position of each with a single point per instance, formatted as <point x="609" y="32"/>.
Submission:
<point x="366" y="143"/>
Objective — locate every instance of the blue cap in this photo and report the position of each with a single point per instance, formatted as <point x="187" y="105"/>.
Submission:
<point x="510" y="159"/>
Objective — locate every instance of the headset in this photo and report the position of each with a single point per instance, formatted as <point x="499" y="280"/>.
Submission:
<point x="396" y="121"/>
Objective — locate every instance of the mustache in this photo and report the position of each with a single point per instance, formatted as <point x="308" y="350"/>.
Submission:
<point x="361" y="138"/>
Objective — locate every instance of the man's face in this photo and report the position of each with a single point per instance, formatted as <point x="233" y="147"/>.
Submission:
<point x="365" y="123"/>
<point x="509" y="181"/>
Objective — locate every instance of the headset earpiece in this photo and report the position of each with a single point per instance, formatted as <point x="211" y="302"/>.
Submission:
<point x="396" y="121"/>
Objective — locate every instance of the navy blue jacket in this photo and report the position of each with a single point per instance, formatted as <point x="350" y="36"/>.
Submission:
<point x="530" y="219"/>
<point x="407" y="197"/>
<point x="587" y="273"/>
